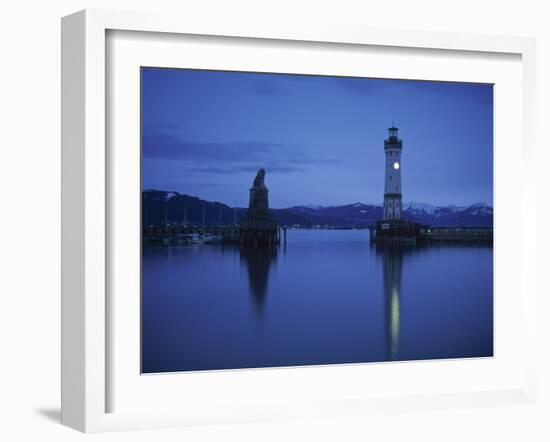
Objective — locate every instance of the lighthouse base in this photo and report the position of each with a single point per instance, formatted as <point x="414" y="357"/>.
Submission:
<point x="408" y="232"/>
<point x="395" y="231"/>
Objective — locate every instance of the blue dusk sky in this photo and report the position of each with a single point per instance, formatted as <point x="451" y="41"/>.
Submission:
<point x="320" y="139"/>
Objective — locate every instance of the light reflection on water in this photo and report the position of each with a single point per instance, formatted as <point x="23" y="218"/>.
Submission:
<point x="325" y="297"/>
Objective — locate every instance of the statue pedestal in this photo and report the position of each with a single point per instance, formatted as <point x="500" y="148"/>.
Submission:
<point x="258" y="226"/>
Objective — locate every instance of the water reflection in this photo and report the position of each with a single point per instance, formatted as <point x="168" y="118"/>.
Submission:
<point x="332" y="299"/>
<point x="258" y="260"/>
<point x="392" y="258"/>
<point x="392" y="267"/>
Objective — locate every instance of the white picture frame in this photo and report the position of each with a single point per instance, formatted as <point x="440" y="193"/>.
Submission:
<point x="86" y="200"/>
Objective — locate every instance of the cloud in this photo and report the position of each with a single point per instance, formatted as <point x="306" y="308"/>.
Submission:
<point x="166" y="145"/>
<point x="226" y="157"/>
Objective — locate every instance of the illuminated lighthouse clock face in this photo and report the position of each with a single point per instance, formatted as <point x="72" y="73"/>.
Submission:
<point x="396" y="165"/>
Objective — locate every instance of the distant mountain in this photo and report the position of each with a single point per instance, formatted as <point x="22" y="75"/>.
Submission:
<point x="159" y="207"/>
<point x="349" y="215"/>
<point x="476" y="215"/>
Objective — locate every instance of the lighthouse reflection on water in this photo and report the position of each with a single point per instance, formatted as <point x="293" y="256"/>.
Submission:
<point x="392" y="266"/>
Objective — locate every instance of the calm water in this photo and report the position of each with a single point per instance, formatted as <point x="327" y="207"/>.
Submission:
<point x="328" y="297"/>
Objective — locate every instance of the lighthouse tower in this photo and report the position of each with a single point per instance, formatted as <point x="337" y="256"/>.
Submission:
<point x="393" y="209"/>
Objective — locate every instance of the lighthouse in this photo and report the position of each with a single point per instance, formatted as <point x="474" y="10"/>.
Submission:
<point x="393" y="207"/>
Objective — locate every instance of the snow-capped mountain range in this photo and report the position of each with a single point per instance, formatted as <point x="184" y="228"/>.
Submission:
<point x="162" y="206"/>
<point x="360" y="214"/>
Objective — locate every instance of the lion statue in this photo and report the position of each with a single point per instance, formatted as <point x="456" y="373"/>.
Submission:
<point x="259" y="180"/>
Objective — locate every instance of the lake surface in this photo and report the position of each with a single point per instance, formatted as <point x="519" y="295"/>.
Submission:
<point x="328" y="297"/>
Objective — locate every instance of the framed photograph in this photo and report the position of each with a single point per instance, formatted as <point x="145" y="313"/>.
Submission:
<point x="263" y="222"/>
